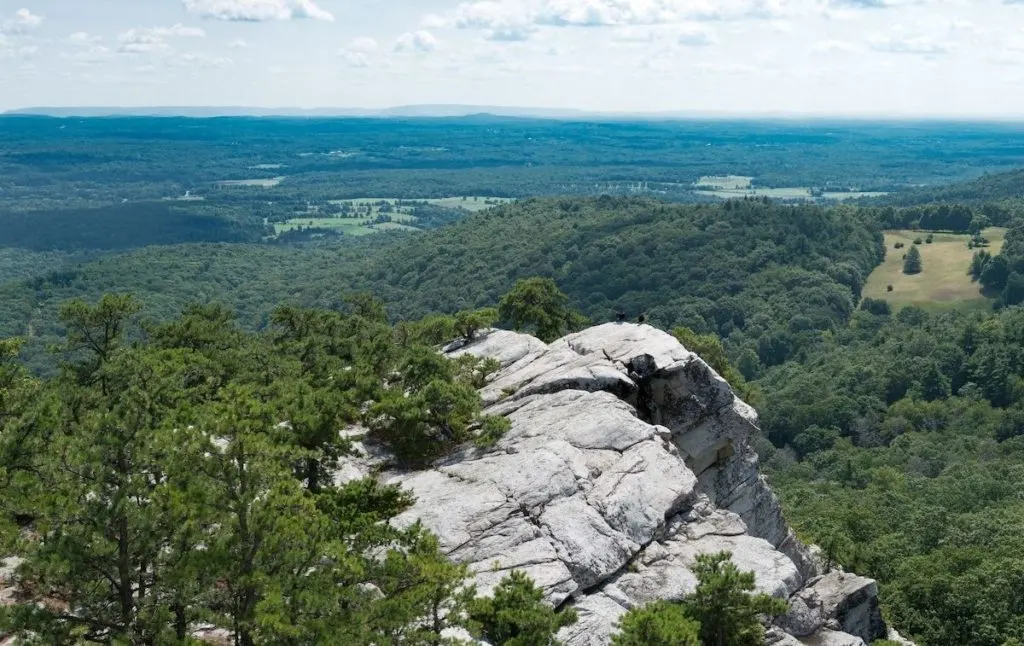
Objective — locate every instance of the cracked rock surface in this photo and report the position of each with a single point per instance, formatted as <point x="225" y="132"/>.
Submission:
<point x="628" y="456"/>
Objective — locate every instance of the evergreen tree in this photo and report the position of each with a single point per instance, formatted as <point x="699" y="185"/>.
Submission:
<point x="539" y="304"/>
<point x="729" y="615"/>
<point x="517" y="615"/>
<point x="912" y="262"/>
<point x="661" y="623"/>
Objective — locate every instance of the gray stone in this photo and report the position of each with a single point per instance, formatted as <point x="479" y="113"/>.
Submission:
<point x="627" y="457"/>
<point x="852" y="601"/>
<point x="832" y="638"/>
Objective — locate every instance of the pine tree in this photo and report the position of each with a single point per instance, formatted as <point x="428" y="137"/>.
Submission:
<point x="912" y="262"/>
<point x="728" y="613"/>
<point x="516" y="615"/>
<point x="661" y="623"/>
<point x="538" y="303"/>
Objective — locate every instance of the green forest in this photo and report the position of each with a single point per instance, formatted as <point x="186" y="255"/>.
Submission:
<point x="893" y="435"/>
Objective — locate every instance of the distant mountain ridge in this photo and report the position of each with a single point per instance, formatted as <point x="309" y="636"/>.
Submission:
<point x="438" y="110"/>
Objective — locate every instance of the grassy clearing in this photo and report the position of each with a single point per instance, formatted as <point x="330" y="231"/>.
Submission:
<point x="394" y="205"/>
<point x="470" y="203"/>
<point x="794" y="193"/>
<point x="944" y="283"/>
<point x="725" y="182"/>
<point x="263" y="183"/>
<point x="348" y="226"/>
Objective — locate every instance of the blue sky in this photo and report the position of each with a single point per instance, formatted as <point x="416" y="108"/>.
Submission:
<point x="846" y="57"/>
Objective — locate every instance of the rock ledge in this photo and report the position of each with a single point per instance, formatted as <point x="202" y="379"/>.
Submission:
<point x="628" y="456"/>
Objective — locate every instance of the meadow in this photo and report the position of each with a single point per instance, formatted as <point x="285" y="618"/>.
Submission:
<point x="943" y="283"/>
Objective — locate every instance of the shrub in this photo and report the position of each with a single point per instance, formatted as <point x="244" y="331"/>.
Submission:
<point x="493" y="429"/>
<point x="918" y="241"/>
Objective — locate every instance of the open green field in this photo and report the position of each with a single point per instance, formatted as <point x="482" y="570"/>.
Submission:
<point x="348" y="226"/>
<point x="943" y="284"/>
<point x="793" y="193"/>
<point x="724" y="182"/>
<point x="263" y="183"/>
<point x="470" y="203"/>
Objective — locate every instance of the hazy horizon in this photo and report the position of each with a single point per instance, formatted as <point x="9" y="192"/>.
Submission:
<point x="846" y="58"/>
<point x="456" y="110"/>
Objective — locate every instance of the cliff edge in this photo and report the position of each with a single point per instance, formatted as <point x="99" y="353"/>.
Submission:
<point x="628" y="456"/>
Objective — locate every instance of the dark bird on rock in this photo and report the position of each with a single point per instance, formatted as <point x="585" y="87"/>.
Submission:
<point x="641" y="319"/>
<point x="621" y="316"/>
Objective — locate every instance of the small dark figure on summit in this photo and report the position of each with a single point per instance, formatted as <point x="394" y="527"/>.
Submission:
<point x="641" y="319"/>
<point x="620" y="316"/>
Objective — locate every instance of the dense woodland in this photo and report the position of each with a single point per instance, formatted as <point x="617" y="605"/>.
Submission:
<point x="895" y="436"/>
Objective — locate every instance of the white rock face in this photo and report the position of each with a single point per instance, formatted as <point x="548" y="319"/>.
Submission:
<point x="628" y="456"/>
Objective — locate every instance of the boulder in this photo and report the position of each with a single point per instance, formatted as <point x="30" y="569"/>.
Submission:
<point x="627" y="457"/>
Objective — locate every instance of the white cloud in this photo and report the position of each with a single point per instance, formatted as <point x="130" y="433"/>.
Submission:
<point x="141" y="40"/>
<point x="879" y="4"/>
<point x="198" y="59"/>
<point x="84" y="39"/>
<point x="24" y="53"/>
<point x="903" y="44"/>
<point x="433" y="21"/>
<point x="695" y="35"/>
<point x="833" y="47"/>
<point x="364" y="45"/>
<point x="258" y="10"/>
<point x="496" y="15"/>
<point x="21" y="22"/>
<point x="354" y="59"/>
<point x="92" y="55"/>
<point x="732" y="69"/>
<point x="358" y="51"/>
<point x="238" y="43"/>
<point x="511" y="34"/>
<point x="420" y="41"/>
<point x="179" y="30"/>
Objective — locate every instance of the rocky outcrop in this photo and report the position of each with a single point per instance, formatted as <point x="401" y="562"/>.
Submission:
<point x="628" y="456"/>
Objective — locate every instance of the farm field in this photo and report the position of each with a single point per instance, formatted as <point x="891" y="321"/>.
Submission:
<point x="795" y="193"/>
<point x="262" y="183"/>
<point x="348" y="226"/>
<point x="730" y="186"/>
<point x="472" y="203"/>
<point x="943" y="284"/>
